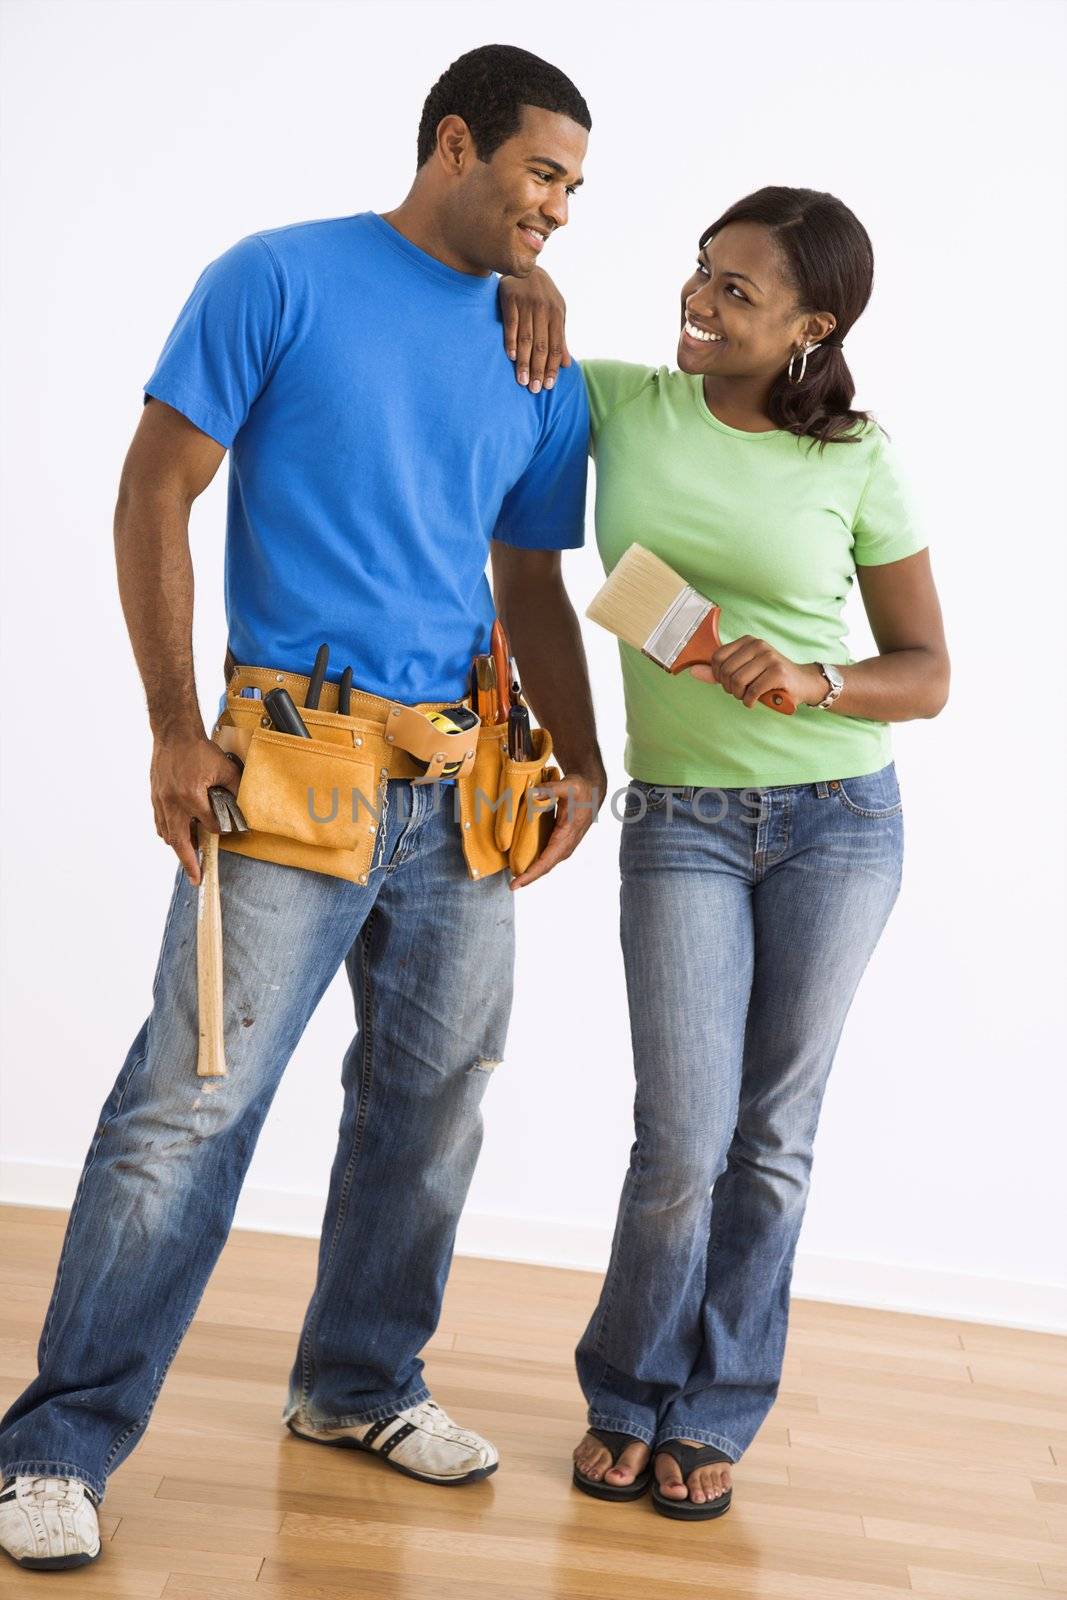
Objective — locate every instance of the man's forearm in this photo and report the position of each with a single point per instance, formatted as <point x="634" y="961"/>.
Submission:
<point x="547" y="641"/>
<point x="155" y="573"/>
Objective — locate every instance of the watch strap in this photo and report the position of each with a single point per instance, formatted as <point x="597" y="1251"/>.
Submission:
<point x="834" y="689"/>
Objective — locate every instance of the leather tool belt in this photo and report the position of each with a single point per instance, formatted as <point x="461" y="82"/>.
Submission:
<point x="316" y="803"/>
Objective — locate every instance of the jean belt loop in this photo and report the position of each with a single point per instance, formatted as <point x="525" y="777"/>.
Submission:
<point x="822" y="788"/>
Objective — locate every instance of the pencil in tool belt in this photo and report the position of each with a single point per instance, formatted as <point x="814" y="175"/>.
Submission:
<point x="498" y="648"/>
<point x="486" y="699"/>
<point x="645" y="603"/>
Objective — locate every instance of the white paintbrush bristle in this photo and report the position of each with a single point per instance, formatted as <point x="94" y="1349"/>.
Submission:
<point x="639" y="591"/>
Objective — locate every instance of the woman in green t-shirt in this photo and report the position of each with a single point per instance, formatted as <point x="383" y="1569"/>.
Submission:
<point x="761" y="853"/>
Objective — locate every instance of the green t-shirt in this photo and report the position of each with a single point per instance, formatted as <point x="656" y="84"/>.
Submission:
<point x="772" y="530"/>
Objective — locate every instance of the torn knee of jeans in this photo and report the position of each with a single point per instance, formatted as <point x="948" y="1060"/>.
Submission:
<point x="484" y="1064"/>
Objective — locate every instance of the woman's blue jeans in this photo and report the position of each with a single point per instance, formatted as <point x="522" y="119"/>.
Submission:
<point x="748" y="917"/>
<point x="429" y="954"/>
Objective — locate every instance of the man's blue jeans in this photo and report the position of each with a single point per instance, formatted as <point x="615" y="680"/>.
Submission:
<point x="744" y="938"/>
<point x="429" y="954"/>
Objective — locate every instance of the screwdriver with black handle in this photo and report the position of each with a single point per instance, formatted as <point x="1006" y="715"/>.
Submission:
<point x="284" y="716"/>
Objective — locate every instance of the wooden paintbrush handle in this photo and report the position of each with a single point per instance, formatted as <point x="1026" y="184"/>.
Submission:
<point x="703" y="645"/>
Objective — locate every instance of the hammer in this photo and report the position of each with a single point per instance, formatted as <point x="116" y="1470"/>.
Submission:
<point x="211" y="1060"/>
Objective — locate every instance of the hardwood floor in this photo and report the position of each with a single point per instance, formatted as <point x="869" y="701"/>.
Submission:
<point x="906" y="1456"/>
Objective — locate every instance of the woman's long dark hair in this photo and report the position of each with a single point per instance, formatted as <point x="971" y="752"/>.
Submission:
<point x="827" y="257"/>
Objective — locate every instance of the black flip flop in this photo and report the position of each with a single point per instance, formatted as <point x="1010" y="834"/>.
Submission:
<point x="688" y="1457"/>
<point x="616" y="1443"/>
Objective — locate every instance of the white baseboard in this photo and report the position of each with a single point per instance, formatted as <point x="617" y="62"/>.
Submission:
<point x="881" y="1285"/>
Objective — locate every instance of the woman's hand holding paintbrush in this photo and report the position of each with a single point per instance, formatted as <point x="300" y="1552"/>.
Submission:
<point x="746" y="664"/>
<point x="648" y="605"/>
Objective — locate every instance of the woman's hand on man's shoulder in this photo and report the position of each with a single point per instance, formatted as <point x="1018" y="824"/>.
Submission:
<point x="535" y="316"/>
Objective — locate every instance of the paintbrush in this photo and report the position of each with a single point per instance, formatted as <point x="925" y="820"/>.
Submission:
<point x="647" y="604"/>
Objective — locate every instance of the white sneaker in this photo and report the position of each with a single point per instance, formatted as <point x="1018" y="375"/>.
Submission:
<point x="48" y="1523"/>
<point x="421" y="1441"/>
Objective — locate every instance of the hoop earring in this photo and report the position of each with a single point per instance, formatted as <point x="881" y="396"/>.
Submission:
<point x="808" y="348"/>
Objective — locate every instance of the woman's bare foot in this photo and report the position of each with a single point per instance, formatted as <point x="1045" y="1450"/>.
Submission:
<point x="704" y="1483"/>
<point x="593" y="1460"/>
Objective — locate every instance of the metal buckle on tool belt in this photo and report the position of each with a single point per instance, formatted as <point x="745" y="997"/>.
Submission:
<point x="412" y="731"/>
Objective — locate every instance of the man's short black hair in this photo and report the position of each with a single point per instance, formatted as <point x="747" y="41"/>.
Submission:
<point x="488" y="88"/>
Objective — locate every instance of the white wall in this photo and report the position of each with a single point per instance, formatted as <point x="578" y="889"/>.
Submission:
<point x="140" y="140"/>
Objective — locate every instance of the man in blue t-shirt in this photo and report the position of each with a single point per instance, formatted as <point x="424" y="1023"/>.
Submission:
<point x="380" y="453"/>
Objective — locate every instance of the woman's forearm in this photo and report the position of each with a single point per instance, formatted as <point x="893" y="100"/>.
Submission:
<point x="897" y="686"/>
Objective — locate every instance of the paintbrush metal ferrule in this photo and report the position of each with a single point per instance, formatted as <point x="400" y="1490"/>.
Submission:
<point x="676" y="627"/>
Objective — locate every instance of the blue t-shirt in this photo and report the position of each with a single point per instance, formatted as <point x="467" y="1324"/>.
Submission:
<point x="378" y="441"/>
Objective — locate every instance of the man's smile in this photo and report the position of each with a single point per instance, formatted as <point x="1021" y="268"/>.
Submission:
<point x="535" y="237"/>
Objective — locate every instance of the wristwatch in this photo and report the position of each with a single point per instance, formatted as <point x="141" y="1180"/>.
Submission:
<point x="834" y="679"/>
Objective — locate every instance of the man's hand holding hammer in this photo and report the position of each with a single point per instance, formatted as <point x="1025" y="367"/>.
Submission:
<point x="184" y="767"/>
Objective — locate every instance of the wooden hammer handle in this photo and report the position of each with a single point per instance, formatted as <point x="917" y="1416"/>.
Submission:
<point x="211" y="1059"/>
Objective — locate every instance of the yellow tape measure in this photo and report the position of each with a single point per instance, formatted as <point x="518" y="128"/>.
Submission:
<point x="453" y="719"/>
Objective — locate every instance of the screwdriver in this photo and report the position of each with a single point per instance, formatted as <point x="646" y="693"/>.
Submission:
<point x="284" y="716"/>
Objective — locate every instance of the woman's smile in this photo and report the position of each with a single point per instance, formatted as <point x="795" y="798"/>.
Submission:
<point x="697" y="338"/>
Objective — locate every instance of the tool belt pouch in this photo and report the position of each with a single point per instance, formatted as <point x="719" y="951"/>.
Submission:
<point x="310" y="803"/>
<point x="507" y="824"/>
<point x="315" y="803"/>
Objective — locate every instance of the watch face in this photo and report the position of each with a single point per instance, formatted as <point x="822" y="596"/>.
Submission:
<point x="835" y="677"/>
